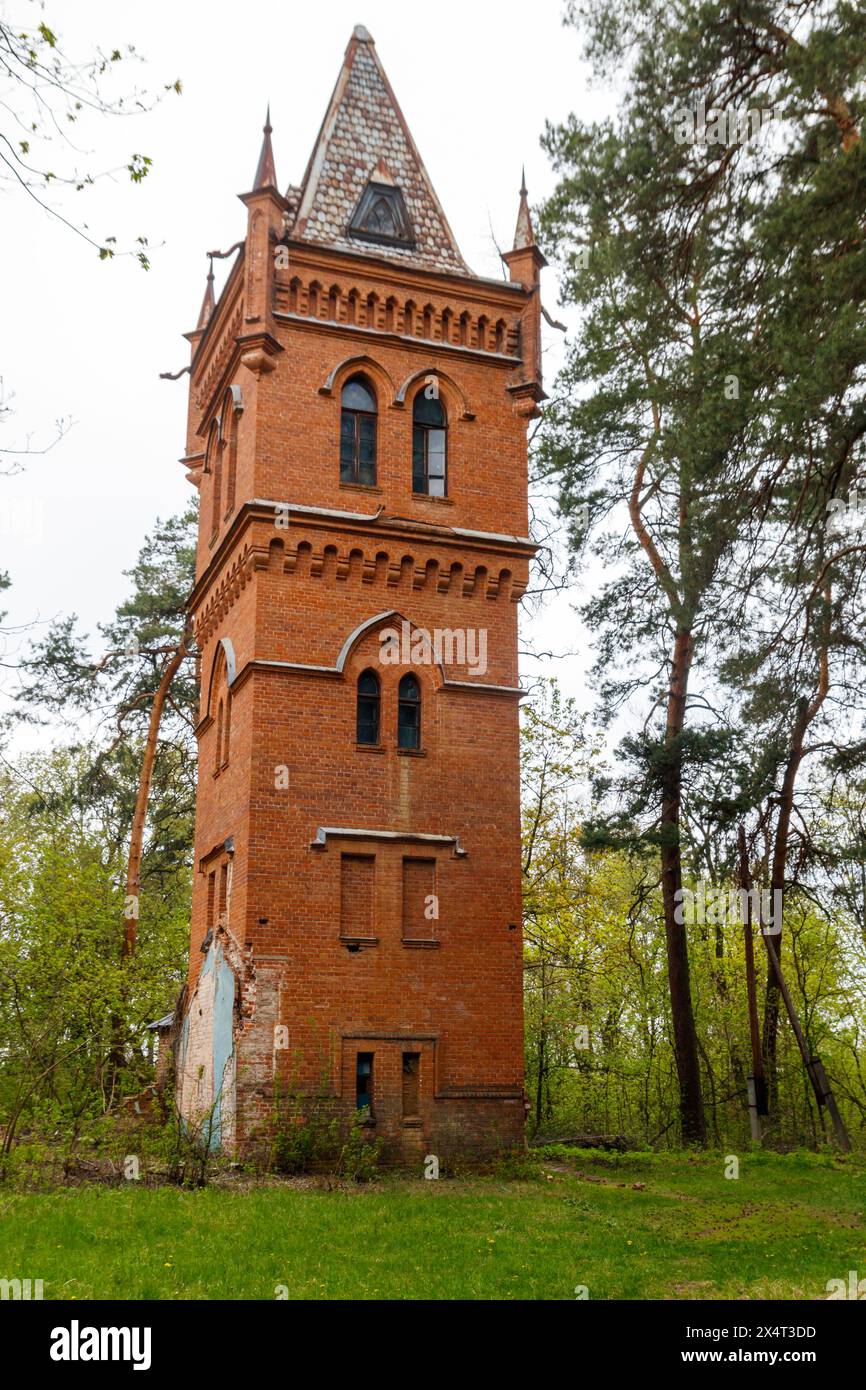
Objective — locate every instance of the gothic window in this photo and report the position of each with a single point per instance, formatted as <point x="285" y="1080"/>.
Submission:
<point x="381" y="216"/>
<point x="369" y="701"/>
<point x="429" y="446"/>
<point x="358" y="433"/>
<point x="229" y="444"/>
<point x="213" y="464"/>
<point x="218" y="758"/>
<point x="409" y="713"/>
<point x="227" y="728"/>
<point x="222" y="720"/>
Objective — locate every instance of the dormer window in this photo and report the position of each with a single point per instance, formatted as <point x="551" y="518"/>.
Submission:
<point x="381" y="217"/>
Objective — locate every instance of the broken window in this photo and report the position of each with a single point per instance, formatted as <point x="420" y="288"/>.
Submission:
<point x="364" y="1081"/>
<point x="411" y="1084"/>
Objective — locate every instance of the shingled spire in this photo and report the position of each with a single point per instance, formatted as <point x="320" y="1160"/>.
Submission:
<point x="366" y="181"/>
<point x="266" y="173"/>
<point x="208" y="304"/>
<point x="524" y="236"/>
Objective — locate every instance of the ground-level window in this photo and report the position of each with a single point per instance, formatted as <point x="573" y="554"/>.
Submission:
<point x="364" y="1081"/>
<point x="411" y="1080"/>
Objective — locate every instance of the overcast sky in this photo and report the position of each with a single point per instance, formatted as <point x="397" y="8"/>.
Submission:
<point x="88" y="340"/>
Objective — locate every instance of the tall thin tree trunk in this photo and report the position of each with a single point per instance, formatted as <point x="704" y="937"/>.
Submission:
<point x="806" y="713"/>
<point x="136" y="838"/>
<point x="136" y="841"/>
<point x="693" y="1122"/>
<point x="777" y="895"/>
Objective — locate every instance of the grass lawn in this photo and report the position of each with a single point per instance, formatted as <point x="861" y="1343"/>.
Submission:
<point x="631" y="1226"/>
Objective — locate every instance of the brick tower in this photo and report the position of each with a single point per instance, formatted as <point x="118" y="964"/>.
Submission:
<point x="357" y="431"/>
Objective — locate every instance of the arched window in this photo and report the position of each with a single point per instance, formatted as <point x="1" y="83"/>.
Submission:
<point x="409" y="713"/>
<point x="369" y="700"/>
<point x="229" y="443"/>
<point x="221" y="694"/>
<point x="218" y="760"/>
<point x="227" y="731"/>
<point x="429" y="452"/>
<point x="358" y="433"/>
<point x="214" y="465"/>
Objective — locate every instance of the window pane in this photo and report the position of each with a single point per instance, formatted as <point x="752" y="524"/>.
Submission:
<point x="368" y="719"/>
<point x="436" y="487"/>
<point x="358" y="396"/>
<point x="367" y="450"/>
<point x="407" y="726"/>
<point x="364" y="1081"/>
<point x="418" y="474"/>
<point x="435" y="444"/>
<point x="409" y="713"/>
<point x="347" y="447"/>
<point x="428" y="411"/>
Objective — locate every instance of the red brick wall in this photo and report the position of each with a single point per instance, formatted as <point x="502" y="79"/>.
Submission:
<point x="452" y="991"/>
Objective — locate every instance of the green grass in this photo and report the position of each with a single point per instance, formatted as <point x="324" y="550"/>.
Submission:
<point x="786" y="1226"/>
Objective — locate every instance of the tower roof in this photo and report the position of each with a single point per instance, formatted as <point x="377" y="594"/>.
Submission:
<point x="365" y="189"/>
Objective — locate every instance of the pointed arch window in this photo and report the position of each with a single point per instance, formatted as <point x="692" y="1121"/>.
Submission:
<point x="369" y="705"/>
<point x="229" y="443"/>
<point x="218" y="751"/>
<point x="213" y="464"/>
<point x="429" y="445"/>
<point x="221" y="693"/>
<point x="409" y="713"/>
<point x="358" y="433"/>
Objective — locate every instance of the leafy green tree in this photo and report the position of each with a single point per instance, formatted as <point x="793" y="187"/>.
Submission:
<point x="141" y="693"/>
<point x="63" y="984"/>
<point x="683" y="422"/>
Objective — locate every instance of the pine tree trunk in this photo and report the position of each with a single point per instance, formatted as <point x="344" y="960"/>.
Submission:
<point x="685" y="1037"/>
<point x="136" y="838"/>
<point x="136" y="842"/>
<point x="777" y="886"/>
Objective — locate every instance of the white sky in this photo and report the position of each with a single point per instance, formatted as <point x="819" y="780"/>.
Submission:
<point x="88" y="340"/>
